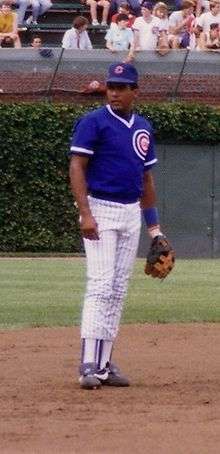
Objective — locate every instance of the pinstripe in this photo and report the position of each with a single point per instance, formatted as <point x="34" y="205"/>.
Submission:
<point x="109" y="264"/>
<point x="82" y="351"/>
<point x="100" y="350"/>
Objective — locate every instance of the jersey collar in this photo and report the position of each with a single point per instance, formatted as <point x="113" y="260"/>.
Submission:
<point x="129" y="123"/>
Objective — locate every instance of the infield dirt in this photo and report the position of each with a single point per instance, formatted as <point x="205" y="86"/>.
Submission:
<point x="171" y="407"/>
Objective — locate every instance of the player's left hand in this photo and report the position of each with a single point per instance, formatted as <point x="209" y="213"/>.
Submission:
<point x="160" y="258"/>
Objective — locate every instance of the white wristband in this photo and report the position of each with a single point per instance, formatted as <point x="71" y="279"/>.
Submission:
<point x="154" y="231"/>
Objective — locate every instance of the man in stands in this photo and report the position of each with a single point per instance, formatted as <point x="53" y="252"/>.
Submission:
<point x="8" y="26"/>
<point x="77" y="37"/>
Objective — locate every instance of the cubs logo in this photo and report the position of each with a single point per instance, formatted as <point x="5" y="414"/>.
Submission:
<point x="141" y="140"/>
<point x="119" y="69"/>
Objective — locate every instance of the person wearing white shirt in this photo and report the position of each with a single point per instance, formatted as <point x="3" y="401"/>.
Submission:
<point x="161" y="11"/>
<point x="146" y="29"/>
<point x="211" y="17"/>
<point x="180" y="24"/>
<point x="119" y="36"/>
<point x="202" y="6"/>
<point x="77" y="37"/>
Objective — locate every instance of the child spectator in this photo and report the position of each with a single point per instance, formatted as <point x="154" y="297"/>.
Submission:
<point x="94" y="5"/>
<point x="124" y="9"/>
<point x="8" y="26"/>
<point x="39" y="7"/>
<point x="161" y="11"/>
<point x="120" y="37"/>
<point x="180" y="25"/>
<point x="210" y="40"/>
<point x="77" y="37"/>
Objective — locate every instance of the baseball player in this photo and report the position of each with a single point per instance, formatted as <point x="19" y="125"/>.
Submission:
<point x="112" y="153"/>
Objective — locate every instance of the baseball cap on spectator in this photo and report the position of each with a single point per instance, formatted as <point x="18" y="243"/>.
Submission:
<point x="147" y="5"/>
<point x="122" y="73"/>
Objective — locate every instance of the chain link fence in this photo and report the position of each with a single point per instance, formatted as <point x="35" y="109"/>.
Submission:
<point x="64" y="75"/>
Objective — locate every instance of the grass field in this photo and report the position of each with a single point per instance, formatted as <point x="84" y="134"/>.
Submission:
<point x="49" y="291"/>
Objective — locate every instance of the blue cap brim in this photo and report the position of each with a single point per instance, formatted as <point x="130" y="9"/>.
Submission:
<point x="120" y="80"/>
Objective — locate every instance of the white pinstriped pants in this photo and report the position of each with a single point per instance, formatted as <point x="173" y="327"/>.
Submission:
<point x="109" y="264"/>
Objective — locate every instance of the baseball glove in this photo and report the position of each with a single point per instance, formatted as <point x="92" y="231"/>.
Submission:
<point x="160" y="258"/>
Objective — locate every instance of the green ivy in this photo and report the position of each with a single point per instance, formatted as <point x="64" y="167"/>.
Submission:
<point x="36" y="206"/>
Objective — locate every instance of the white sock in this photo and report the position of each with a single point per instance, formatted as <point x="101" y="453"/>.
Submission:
<point x="96" y="351"/>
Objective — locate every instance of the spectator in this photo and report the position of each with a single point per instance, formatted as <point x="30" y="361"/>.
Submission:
<point x="94" y="5"/>
<point x="211" y="17"/>
<point x="8" y="26"/>
<point x="36" y="42"/>
<point x="120" y="37"/>
<point x="146" y="29"/>
<point x="180" y="25"/>
<point x="161" y="11"/>
<point x="21" y="6"/>
<point x="39" y="7"/>
<point x="202" y="6"/>
<point x="210" y="39"/>
<point x="134" y="5"/>
<point x="195" y="32"/>
<point x="77" y="37"/>
<point x="124" y="9"/>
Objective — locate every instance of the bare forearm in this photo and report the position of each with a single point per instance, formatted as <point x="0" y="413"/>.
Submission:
<point x="79" y="186"/>
<point x="148" y="199"/>
<point x="88" y="224"/>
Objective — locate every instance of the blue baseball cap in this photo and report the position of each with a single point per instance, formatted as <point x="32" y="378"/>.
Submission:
<point x="123" y="73"/>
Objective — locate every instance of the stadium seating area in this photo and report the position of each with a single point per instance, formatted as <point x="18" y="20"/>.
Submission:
<point x="57" y="20"/>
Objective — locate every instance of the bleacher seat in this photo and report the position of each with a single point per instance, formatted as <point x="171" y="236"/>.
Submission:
<point x="53" y="24"/>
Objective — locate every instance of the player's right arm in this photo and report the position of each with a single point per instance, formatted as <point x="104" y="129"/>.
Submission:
<point x="82" y="145"/>
<point x="77" y="172"/>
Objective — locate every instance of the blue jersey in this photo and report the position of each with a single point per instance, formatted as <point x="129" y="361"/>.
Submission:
<point x="119" y="151"/>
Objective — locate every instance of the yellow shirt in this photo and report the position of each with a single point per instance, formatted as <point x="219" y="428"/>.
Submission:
<point x="6" y="22"/>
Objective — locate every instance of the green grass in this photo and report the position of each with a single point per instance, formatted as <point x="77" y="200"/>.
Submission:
<point x="49" y="292"/>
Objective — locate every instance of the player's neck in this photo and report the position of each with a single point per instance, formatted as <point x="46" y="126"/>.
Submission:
<point x="126" y="114"/>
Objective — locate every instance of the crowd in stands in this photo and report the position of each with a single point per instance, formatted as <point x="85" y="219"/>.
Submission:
<point x="130" y="26"/>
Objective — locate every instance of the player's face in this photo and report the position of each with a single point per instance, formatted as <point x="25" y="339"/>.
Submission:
<point x="121" y="96"/>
